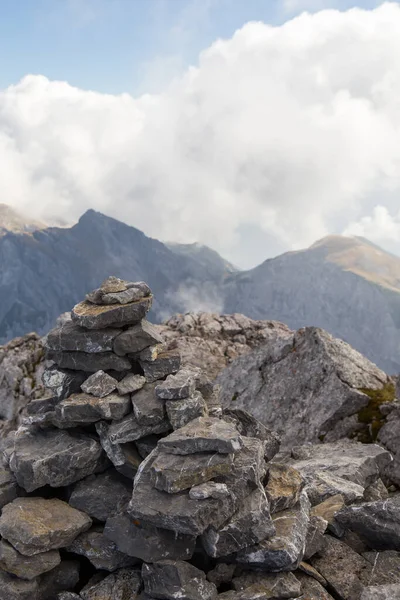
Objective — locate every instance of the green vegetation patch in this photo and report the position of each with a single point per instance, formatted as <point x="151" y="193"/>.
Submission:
<point x="370" y="415"/>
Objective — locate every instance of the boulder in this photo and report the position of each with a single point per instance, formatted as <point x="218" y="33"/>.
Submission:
<point x="137" y="539"/>
<point x="99" y="384"/>
<point x="70" y="337"/>
<point x="94" y="316"/>
<point x="101" y="496"/>
<point x="165" y="363"/>
<point x="204" y="434"/>
<point x="35" y="525"/>
<point x="55" y="458"/>
<point x="135" y="339"/>
<point x="284" y="486"/>
<point x="148" y="409"/>
<point x="83" y="361"/>
<point x="130" y="383"/>
<point x="100" y="550"/>
<point x="124" y="583"/>
<point x="26" y="567"/>
<point x="175" y="580"/>
<point x="181" y="412"/>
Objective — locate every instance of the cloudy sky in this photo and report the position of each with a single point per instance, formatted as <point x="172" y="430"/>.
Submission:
<point x="253" y="126"/>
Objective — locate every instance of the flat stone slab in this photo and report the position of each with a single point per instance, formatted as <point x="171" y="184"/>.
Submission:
<point x="148" y="409"/>
<point x="151" y="544"/>
<point x="125" y="457"/>
<point x="100" y="550"/>
<point x="176" y="580"/>
<point x="249" y="525"/>
<point x="35" y="525"/>
<point x="377" y="522"/>
<point x="83" y="361"/>
<point x="205" y="434"/>
<point x="70" y="337"/>
<point x="93" y="316"/>
<point x="179" y="386"/>
<point x="56" y="458"/>
<point x="136" y="338"/>
<point x="128" y="429"/>
<point x="99" y="384"/>
<point x="175" y="473"/>
<point x="181" y="412"/>
<point x="101" y="496"/>
<point x="85" y="408"/>
<point x="165" y="363"/>
<point x="26" y="567"/>
<point x="131" y="383"/>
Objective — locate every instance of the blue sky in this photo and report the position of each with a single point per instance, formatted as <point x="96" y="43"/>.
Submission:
<point x="133" y="46"/>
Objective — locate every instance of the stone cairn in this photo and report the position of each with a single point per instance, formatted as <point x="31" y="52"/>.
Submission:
<point x="129" y="480"/>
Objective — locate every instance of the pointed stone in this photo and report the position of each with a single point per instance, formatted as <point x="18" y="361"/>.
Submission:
<point x="26" y="567"/>
<point x="148" y="543"/>
<point x="83" y="361"/>
<point x="131" y="383"/>
<point x="35" y="525"/>
<point x="205" y="434"/>
<point x="70" y="337"/>
<point x="99" y="384"/>
<point x="176" y="580"/>
<point x="124" y="457"/>
<point x="101" y="496"/>
<point x="137" y="338"/>
<point x="148" y="409"/>
<point x="181" y="412"/>
<point x="94" y="316"/>
<point x="179" y="386"/>
<point x="101" y="551"/>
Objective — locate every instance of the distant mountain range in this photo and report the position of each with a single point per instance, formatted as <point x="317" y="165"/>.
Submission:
<point x="348" y="286"/>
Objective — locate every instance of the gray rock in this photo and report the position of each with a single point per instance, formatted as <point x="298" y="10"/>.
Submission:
<point x="284" y="486"/>
<point x="315" y="540"/>
<point x="113" y="291"/>
<point x="205" y="434"/>
<point x="376" y="491"/>
<point x="385" y="567"/>
<point x="222" y="573"/>
<point x="276" y="585"/>
<point x="12" y="588"/>
<point x="327" y="510"/>
<point x="181" y="412"/>
<point x="93" y="316"/>
<point x="83" y="361"/>
<point x="285" y="550"/>
<point x="148" y="543"/>
<point x="146" y="445"/>
<point x="103" y="495"/>
<point x="311" y="589"/>
<point x="179" y="386"/>
<point x="121" y="585"/>
<point x="136" y="338"/>
<point x="166" y="363"/>
<point x="384" y="592"/>
<point x="247" y="425"/>
<point x="322" y="486"/>
<point x="55" y="458"/>
<point x="128" y="429"/>
<point x="285" y="384"/>
<point x="42" y="408"/>
<point x="84" y="408"/>
<point x="64" y="577"/>
<point x="71" y="337"/>
<point x="249" y="525"/>
<point x="68" y="596"/>
<point x="100" y="550"/>
<point x="148" y="409"/>
<point x="377" y="522"/>
<point x="35" y="525"/>
<point x="175" y="473"/>
<point x="131" y="383"/>
<point x="99" y="384"/>
<point x="27" y="567"/>
<point x="389" y="437"/>
<point x="8" y="487"/>
<point x="124" y="457"/>
<point x="62" y="382"/>
<point x="176" y="580"/>
<point x="211" y="489"/>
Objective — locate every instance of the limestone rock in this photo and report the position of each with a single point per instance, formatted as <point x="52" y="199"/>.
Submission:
<point x="101" y="551"/>
<point x="34" y="525"/>
<point x="124" y="457"/>
<point x="101" y="496"/>
<point x="205" y="434"/>
<point x="130" y="383"/>
<point x="328" y="509"/>
<point x="315" y="540"/>
<point x="385" y="567"/>
<point x="128" y="429"/>
<point x="84" y="408"/>
<point x="285" y="550"/>
<point x="174" y="473"/>
<point x="70" y="337"/>
<point x="181" y="412"/>
<point x="377" y="522"/>
<point x="148" y="409"/>
<point x="118" y="291"/>
<point x="176" y="580"/>
<point x="166" y="363"/>
<point x="376" y="491"/>
<point x="26" y="567"/>
<point x="94" y="316"/>
<point x="247" y="425"/>
<point x="146" y="542"/>
<point x="383" y="592"/>
<point x="99" y="384"/>
<point x="311" y="589"/>
<point x="62" y="382"/>
<point x="179" y="386"/>
<point x="124" y="583"/>
<point x="211" y="489"/>
<point x="284" y="487"/>
<point x="55" y="458"/>
<point x="42" y="409"/>
<point x="83" y="361"/>
<point x="249" y="525"/>
<point x="277" y="585"/>
<point x="136" y="338"/>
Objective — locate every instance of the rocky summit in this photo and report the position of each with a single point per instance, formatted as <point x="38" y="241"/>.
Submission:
<point x="129" y="479"/>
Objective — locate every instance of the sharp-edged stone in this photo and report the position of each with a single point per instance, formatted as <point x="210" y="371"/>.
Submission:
<point x="179" y="386"/>
<point x="122" y="584"/>
<point x="102" y="496"/>
<point x="279" y="585"/>
<point x="248" y="426"/>
<point x="8" y="487"/>
<point x="131" y="383"/>
<point x="83" y="361"/>
<point x="99" y="384"/>
<point x="315" y="540"/>
<point x="62" y="382"/>
<point x="128" y="429"/>
<point x="26" y="567"/>
<point x="284" y="486"/>
<point x="136" y="338"/>
<point x="114" y="291"/>
<point x="70" y="337"/>
<point x="181" y="412"/>
<point x="205" y="434"/>
<point x="94" y="316"/>
<point x="176" y="580"/>
<point x="148" y="409"/>
<point x="80" y="409"/>
<point x="211" y="489"/>
<point x="381" y="592"/>
<point x="100" y="550"/>
<point x="166" y="363"/>
<point x="124" y="457"/>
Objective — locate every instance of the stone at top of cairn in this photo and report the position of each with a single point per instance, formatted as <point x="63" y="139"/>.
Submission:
<point x="115" y="303"/>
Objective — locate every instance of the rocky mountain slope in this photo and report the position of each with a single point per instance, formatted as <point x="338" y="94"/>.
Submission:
<point x="346" y="286"/>
<point x="13" y="221"/>
<point x="45" y="273"/>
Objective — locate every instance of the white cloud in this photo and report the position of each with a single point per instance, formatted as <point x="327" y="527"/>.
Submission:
<point x="380" y="227"/>
<point x="293" y="130"/>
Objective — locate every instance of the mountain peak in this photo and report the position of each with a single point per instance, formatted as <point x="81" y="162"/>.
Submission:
<point x="14" y="222"/>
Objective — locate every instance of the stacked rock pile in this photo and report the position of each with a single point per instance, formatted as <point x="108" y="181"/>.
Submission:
<point x="128" y="480"/>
